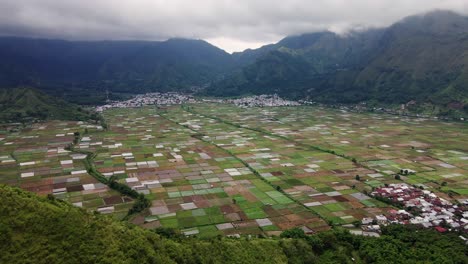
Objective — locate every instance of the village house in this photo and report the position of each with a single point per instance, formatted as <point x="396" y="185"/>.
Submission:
<point x="421" y="207"/>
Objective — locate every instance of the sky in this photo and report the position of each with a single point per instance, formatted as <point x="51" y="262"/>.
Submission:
<point x="233" y="25"/>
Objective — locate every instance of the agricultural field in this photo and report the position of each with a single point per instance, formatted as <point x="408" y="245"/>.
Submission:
<point x="194" y="185"/>
<point x="435" y="150"/>
<point x="218" y="169"/>
<point x="36" y="160"/>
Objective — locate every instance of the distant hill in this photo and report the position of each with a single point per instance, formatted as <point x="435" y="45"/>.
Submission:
<point x="121" y="66"/>
<point x="420" y="59"/>
<point x="300" y="65"/>
<point x="46" y="230"/>
<point x="21" y="104"/>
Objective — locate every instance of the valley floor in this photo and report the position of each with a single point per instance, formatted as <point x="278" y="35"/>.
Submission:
<point x="212" y="169"/>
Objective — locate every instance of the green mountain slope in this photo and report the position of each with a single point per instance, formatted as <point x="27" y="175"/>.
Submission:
<point x="305" y="65"/>
<point x="20" y="104"/>
<point x="175" y="64"/>
<point x="422" y="58"/>
<point x="129" y="66"/>
<point x="46" y="230"/>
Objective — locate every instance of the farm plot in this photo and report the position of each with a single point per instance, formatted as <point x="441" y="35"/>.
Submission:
<point x="386" y="144"/>
<point x="212" y="169"/>
<point x="194" y="186"/>
<point x="35" y="159"/>
<point x="312" y="178"/>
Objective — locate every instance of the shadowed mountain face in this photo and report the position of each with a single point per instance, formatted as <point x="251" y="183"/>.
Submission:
<point x="305" y="65"/>
<point x="422" y="58"/>
<point x="133" y="66"/>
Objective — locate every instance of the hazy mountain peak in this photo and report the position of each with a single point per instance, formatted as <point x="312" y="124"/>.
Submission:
<point x="437" y="21"/>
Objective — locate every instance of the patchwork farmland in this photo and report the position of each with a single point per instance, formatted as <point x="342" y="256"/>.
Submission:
<point x="36" y="160"/>
<point x="217" y="169"/>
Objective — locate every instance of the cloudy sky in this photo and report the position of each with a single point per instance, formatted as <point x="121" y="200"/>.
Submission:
<point x="233" y="25"/>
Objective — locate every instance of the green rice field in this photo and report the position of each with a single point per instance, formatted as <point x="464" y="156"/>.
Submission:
<point x="217" y="169"/>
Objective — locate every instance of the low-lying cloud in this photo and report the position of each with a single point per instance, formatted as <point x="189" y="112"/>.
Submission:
<point x="231" y="24"/>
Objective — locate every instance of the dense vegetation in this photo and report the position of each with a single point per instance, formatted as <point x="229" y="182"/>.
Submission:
<point x="26" y="104"/>
<point x="46" y="230"/>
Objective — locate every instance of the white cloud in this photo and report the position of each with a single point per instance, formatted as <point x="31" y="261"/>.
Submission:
<point x="232" y="24"/>
<point x="231" y="45"/>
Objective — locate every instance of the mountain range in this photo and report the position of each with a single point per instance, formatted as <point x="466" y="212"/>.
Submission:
<point x="422" y="58"/>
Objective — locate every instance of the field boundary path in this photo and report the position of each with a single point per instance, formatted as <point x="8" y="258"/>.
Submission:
<point x="141" y="202"/>
<point x="265" y="132"/>
<point x="199" y="136"/>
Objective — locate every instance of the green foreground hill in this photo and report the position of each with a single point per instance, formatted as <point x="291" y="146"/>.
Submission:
<point x="20" y="104"/>
<point x="46" y="230"/>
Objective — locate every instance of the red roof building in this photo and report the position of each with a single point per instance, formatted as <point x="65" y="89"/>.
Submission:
<point x="440" y="229"/>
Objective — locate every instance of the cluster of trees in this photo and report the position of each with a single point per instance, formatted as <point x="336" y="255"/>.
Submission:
<point x="141" y="202"/>
<point x="406" y="172"/>
<point x="46" y="230"/>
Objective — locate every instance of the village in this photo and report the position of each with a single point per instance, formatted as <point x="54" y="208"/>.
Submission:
<point x="262" y="101"/>
<point x="149" y="99"/>
<point x="418" y="207"/>
<point x="167" y="99"/>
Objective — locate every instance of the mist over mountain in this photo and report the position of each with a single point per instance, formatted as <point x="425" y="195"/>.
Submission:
<point x="419" y="58"/>
<point x="422" y="58"/>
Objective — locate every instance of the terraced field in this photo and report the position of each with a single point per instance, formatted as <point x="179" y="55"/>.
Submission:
<point x="212" y="169"/>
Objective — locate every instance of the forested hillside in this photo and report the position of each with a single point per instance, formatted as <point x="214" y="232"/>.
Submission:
<point x="25" y="104"/>
<point x="46" y="230"/>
